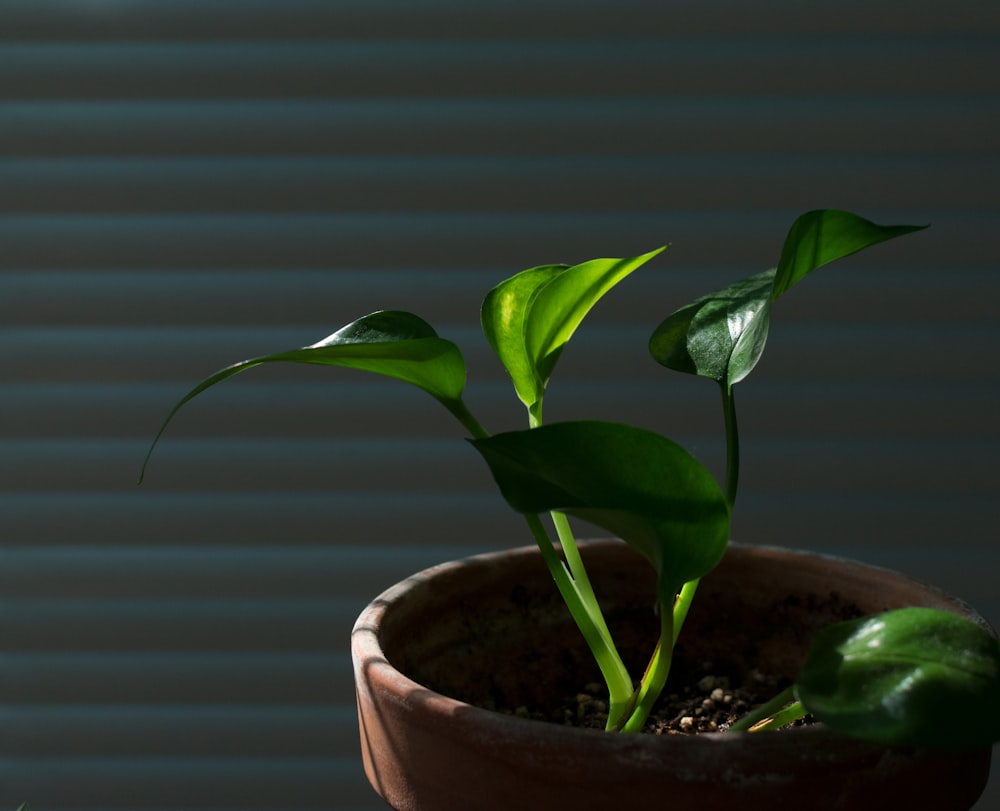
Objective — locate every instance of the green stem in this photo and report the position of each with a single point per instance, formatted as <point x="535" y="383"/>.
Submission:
<point x="561" y="523"/>
<point x="619" y="682"/>
<point x="655" y="677"/>
<point x="573" y="584"/>
<point x="732" y="443"/>
<point x="571" y="553"/>
<point x="461" y="412"/>
<point x="683" y="604"/>
<point x="793" y="712"/>
<point x="780" y="710"/>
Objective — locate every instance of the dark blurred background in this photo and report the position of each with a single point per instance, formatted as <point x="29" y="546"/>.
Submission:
<point x="184" y="184"/>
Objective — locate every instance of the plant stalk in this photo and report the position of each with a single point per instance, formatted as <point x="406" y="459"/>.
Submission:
<point x="616" y="675"/>
<point x="780" y="710"/>
<point x="655" y="677"/>
<point x="461" y="412"/>
<point x="732" y="443"/>
<point x="571" y="553"/>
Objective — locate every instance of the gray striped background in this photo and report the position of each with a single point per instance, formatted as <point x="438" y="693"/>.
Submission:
<point x="183" y="184"/>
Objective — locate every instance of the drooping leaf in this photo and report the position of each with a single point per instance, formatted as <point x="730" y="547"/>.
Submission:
<point x="913" y="677"/>
<point x="637" y="484"/>
<point x="720" y="336"/>
<point x="819" y="237"/>
<point x="392" y="343"/>
<point x="389" y="342"/>
<point x="530" y="317"/>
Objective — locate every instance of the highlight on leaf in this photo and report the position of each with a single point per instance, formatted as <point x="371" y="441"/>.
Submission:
<point x="722" y="335"/>
<point x="393" y="343"/>
<point x="909" y="677"/>
<point x="817" y="238"/>
<point x="529" y="318"/>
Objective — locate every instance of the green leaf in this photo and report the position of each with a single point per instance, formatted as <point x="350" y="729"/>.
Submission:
<point x="914" y="676"/>
<point x="530" y="317"/>
<point x="504" y="315"/>
<point x="819" y="237"/>
<point x="639" y="485"/>
<point x="392" y="343"/>
<point x="721" y="335"/>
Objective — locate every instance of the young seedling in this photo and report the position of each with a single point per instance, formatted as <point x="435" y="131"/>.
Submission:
<point x="654" y="495"/>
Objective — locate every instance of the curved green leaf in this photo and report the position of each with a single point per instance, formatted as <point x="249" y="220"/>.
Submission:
<point x="720" y="336"/>
<point x="914" y="676"/>
<point x="819" y="237"/>
<point x="504" y="313"/>
<point x="639" y="485"/>
<point x="530" y="317"/>
<point x="389" y="342"/>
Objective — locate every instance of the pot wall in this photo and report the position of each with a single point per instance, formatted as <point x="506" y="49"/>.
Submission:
<point x="492" y="630"/>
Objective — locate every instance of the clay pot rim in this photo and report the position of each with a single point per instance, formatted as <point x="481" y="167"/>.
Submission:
<point x="383" y="676"/>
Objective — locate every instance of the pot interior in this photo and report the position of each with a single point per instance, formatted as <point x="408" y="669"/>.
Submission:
<point x="493" y="631"/>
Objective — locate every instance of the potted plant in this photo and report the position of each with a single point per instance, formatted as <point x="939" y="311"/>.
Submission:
<point x="873" y="668"/>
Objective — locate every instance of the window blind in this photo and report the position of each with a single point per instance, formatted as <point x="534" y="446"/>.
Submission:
<point x="183" y="184"/>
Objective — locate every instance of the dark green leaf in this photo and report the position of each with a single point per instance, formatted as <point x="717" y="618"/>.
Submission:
<point x="530" y="317"/>
<point x="721" y="335"/>
<point x="392" y="343"/>
<point x="639" y="485"/>
<point x="915" y="676"/>
<point x="819" y="237"/>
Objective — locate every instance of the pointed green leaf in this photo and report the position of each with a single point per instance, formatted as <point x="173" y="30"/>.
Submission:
<point x="639" y="485"/>
<point x="914" y="677"/>
<point x="721" y="335"/>
<point x="530" y="317"/>
<point x="504" y="312"/>
<point x="819" y="237"/>
<point x="392" y="343"/>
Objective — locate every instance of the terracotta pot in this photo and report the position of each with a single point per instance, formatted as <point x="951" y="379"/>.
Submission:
<point x="491" y="630"/>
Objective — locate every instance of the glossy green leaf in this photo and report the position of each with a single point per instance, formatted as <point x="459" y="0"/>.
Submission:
<point x="504" y="315"/>
<point x="530" y="317"/>
<point x="819" y="237"/>
<point x="721" y="335"/>
<point x="634" y="483"/>
<point x="914" y="676"/>
<point x="392" y="343"/>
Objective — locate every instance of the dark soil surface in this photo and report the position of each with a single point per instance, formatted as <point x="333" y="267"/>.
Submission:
<point x="707" y="702"/>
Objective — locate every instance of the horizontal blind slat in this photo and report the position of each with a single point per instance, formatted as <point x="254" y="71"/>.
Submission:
<point x="905" y="352"/>
<point x="773" y="407"/>
<point x="166" y="678"/>
<point x="449" y="239"/>
<point x="769" y="124"/>
<point x="158" y="782"/>
<point x="279" y="571"/>
<point x="191" y="624"/>
<point x="633" y="66"/>
<point x="405" y="465"/>
<point x="168" y="731"/>
<point x="386" y="184"/>
<point x="153" y="20"/>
